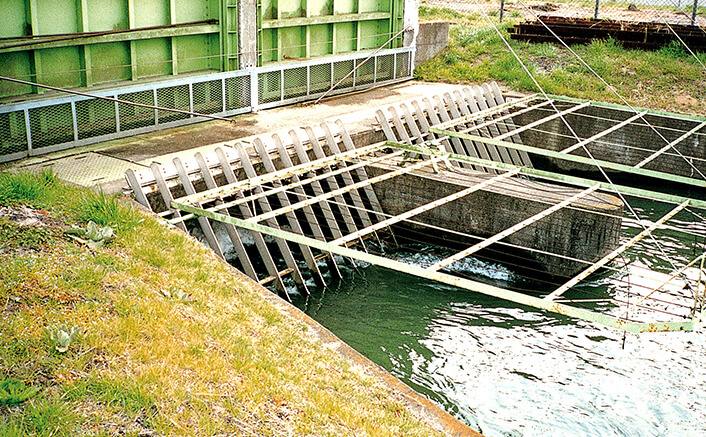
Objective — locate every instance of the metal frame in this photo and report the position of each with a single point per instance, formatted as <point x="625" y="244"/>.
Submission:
<point x="310" y="172"/>
<point x="189" y="81"/>
<point x="455" y="129"/>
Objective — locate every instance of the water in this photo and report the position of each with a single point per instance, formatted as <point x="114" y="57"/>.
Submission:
<point x="508" y="370"/>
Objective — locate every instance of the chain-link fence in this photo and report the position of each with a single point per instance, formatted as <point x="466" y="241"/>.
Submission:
<point x="685" y="12"/>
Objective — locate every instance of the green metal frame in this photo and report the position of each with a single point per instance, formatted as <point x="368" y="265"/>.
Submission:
<point x="189" y="204"/>
<point x="444" y="278"/>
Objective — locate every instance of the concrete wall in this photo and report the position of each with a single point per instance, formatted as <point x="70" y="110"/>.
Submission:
<point x="432" y="38"/>
<point x="641" y="139"/>
<point x="582" y="234"/>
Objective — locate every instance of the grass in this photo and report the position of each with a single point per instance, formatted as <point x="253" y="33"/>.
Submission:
<point x="667" y="79"/>
<point x="146" y="360"/>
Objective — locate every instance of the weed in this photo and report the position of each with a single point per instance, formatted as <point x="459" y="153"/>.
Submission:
<point x="12" y="236"/>
<point x="62" y="337"/>
<point x="107" y="210"/>
<point x="674" y="50"/>
<point x="26" y="188"/>
<point x="14" y="392"/>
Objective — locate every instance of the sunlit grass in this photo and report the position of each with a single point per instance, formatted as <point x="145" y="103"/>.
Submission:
<point x="667" y="79"/>
<point x="223" y="361"/>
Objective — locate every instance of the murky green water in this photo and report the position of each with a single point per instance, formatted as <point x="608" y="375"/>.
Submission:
<point x="513" y="371"/>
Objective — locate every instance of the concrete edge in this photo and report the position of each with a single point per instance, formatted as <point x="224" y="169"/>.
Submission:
<point x="420" y="407"/>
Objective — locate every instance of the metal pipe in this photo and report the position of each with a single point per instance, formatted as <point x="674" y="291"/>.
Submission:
<point x="76" y="35"/>
<point x="113" y="99"/>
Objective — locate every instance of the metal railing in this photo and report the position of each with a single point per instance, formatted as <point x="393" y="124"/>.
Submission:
<point x="46" y="125"/>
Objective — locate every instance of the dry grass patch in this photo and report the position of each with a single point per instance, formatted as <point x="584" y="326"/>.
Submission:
<point x="167" y="341"/>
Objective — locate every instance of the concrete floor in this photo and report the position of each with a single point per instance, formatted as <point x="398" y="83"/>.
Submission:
<point x="103" y="165"/>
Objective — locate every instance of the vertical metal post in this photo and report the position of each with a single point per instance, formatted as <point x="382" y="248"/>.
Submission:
<point x="74" y="122"/>
<point x="308" y="79"/>
<point x="156" y="103"/>
<point x="223" y="94"/>
<point x="254" y="91"/>
<point x="693" y="12"/>
<point x="28" y="128"/>
<point x="191" y="99"/>
<point x="117" y="115"/>
<point x="595" y="12"/>
<point x="502" y="10"/>
<point x="375" y="69"/>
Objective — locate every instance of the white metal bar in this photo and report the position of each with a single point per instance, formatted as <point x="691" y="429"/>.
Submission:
<point x="421" y="209"/>
<point x="542" y="121"/>
<point x="340" y="191"/>
<point x="608" y="258"/>
<point x="670" y="145"/>
<point x="603" y="133"/>
<point x="511" y="230"/>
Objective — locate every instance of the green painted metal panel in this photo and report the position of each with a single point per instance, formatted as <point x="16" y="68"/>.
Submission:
<point x="151" y="13"/>
<point x="111" y="62"/>
<point x="373" y="34"/>
<point x="320" y="8"/>
<point x="290" y="8"/>
<point x="107" y="15"/>
<point x="292" y="43"/>
<point x="14" y="20"/>
<point x="268" y="45"/>
<point x="19" y="65"/>
<point x="327" y="27"/>
<point x="153" y="57"/>
<point x="56" y="16"/>
<point x="61" y="67"/>
<point x="191" y="10"/>
<point x="346" y="37"/>
<point x="320" y="40"/>
<point x="193" y="53"/>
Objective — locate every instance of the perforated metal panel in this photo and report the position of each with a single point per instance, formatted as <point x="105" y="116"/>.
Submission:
<point x="295" y="82"/>
<point x="135" y="117"/>
<point x="238" y="93"/>
<point x="70" y="121"/>
<point x="13" y="133"/>
<point x="176" y="97"/>
<point x="385" y="68"/>
<point x="208" y="97"/>
<point x="51" y="125"/>
<point x="340" y="70"/>
<point x="95" y="118"/>
<point x="270" y="86"/>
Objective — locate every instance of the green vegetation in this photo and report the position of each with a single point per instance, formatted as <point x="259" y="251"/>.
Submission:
<point x="668" y="79"/>
<point x="152" y="334"/>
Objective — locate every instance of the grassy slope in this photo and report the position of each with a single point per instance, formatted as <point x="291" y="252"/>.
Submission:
<point x="668" y="79"/>
<point x="223" y="360"/>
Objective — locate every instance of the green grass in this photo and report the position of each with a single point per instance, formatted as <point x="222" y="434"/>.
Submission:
<point x="223" y="361"/>
<point x="667" y="79"/>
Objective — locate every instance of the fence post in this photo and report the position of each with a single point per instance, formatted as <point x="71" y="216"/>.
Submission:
<point x="502" y="9"/>
<point x="595" y="12"/>
<point x="693" y="13"/>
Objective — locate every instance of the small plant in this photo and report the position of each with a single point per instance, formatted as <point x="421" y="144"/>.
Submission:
<point x="62" y="337"/>
<point x="24" y="187"/>
<point x="13" y="235"/>
<point x="93" y="236"/>
<point x="14" y="392"/>
<point x="177" y="294"/>
<point x="106" y="210"/>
